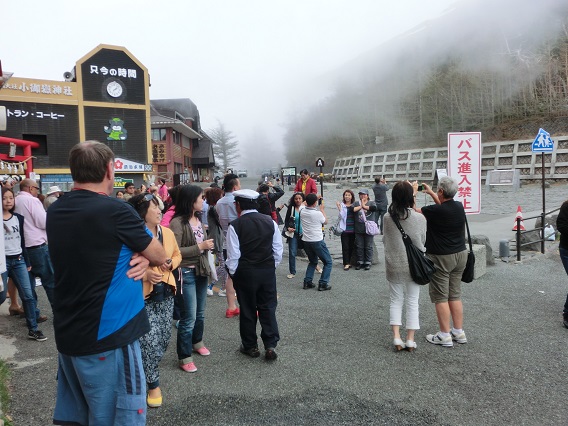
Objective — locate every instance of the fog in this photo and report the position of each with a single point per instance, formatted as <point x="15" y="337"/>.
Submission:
<point x="251" y="64"/>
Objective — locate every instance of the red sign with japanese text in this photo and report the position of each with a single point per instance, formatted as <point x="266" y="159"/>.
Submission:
<point x="464" y="165"/>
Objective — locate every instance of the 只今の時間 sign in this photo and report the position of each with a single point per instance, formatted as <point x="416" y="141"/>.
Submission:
<point x="464" y="165"/>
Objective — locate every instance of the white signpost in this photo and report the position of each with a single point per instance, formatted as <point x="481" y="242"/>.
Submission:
<point x="464" y="165"/>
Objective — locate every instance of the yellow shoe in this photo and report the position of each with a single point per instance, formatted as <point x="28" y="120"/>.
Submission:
<point x="154" y="402"/>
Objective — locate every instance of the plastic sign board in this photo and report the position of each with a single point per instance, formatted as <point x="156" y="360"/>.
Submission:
<point x="320" y="162"/>
<point x="123" y="165"/>
<point x="543" y="142"/>
<point x="464" y="165"/>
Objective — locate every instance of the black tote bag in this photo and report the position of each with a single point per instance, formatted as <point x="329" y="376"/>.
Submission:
<point x="421" y="268"/>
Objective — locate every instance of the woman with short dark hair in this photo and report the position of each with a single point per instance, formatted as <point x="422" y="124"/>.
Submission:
<point x="159" y="287"/>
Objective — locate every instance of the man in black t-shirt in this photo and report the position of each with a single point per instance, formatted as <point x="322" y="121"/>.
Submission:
<point x="100" y="250"/>
<point x="445" y="246"/>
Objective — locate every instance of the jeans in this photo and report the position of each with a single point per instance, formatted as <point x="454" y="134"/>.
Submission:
<point x="564" y="258"/>
<point x="18" y="271"/>
<point x="315" y="250"/>
<point x="192" y="298"/>
<point x="292" y="253"/>
<point x="364" y="244"/>
<point x="42" y="267"/>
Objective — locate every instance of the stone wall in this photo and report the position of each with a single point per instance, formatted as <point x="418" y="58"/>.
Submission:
<point x="421" y="164"/>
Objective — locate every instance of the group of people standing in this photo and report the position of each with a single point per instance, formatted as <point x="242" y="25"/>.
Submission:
<point x="437" y="229"/>
<point x="112" y="332"/>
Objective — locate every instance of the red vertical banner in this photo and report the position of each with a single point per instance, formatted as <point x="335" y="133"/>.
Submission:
<point x="464" y="165"/>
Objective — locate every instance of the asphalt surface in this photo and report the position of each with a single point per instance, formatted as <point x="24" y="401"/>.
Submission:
<point x="336" y="361"/>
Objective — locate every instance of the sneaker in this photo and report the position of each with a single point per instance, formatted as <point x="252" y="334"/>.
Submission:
<point x="437" y="339"/>
<point x="270" y="354"/>
<point x="189" y="367"/>
<point x="203" y="351"/>
<point x="209" y="291"/>
<point x="36" y="335"/>
<point x="252" y="352"/>
<point x="290" y="276"/>
<point x="223" y="293"/>
<point x="460" y="338"/>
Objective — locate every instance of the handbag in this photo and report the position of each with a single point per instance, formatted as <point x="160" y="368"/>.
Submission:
<point x="212" y="266"/>
<point x="421" y="268"/>
<point x="467" y="275"/>
<point x="336" y="229"/>
<point x="371" y="228"/>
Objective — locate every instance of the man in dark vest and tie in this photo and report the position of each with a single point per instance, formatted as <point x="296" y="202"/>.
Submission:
<point x="254" y="250"/>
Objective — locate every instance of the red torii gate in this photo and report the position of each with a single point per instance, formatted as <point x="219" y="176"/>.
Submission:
<point x="26" y="158"/>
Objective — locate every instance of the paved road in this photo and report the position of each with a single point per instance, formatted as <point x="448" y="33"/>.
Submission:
<point x="336" y="363"/>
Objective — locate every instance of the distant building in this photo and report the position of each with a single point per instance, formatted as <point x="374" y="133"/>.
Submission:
<point x="181" y="151"/>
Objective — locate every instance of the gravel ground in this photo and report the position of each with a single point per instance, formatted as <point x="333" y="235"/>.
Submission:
<point x="336" y="362"/>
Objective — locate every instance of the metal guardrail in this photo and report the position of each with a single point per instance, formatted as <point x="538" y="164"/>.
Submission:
<point x="541" y="228"/>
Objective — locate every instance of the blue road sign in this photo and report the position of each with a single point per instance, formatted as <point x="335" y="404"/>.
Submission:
<point x="543" y="142"/>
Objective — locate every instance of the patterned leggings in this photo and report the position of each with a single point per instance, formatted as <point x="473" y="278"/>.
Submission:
<point x="154" y="344"/>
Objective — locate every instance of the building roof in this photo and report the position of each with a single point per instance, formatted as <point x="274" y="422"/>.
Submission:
<point x="159" y="121"/>
<point x="184" y="107"/>
<point x="203" y="151"/>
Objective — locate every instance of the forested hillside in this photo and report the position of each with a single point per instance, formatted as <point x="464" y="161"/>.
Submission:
<point x="502" y="71"/>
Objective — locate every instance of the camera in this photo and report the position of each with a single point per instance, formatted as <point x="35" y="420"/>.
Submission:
<point x="420" y="187"/>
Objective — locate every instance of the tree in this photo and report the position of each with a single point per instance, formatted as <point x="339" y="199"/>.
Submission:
<point x="225" y="147"/>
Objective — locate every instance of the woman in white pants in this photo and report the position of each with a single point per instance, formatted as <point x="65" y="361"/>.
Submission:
<point x="396" y="262"/>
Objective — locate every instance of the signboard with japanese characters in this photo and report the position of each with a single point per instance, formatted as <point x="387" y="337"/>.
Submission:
<point x="122" y="165"/>
<point x="464" y="165"/>
<point x="47" y="90"/>
<point x="53" y="126"/>
<point x="110" y="75"/>
<point x="120" y="181"/>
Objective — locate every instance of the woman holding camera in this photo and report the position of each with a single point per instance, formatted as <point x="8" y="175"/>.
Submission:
<point x="159" y="287"/>
<point x="293" y="230"/>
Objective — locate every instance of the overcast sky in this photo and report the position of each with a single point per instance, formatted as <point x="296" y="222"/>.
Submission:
<point x="247" y="63"/>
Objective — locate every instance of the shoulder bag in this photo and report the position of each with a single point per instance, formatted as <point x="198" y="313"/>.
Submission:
<point x="421" y="268"/>
<point x="467" y="275"/>
<point x="371" y="228"/>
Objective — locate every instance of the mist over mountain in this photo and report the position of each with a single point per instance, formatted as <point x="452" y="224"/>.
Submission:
<point x="499" y="67"/>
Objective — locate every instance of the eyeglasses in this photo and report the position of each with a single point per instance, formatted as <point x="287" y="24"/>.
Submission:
<point x="35" y="187"/>
<point x="147" y="198"/>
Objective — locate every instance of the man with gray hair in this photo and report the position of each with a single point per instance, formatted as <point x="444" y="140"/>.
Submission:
<point x="445" y="246"/>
